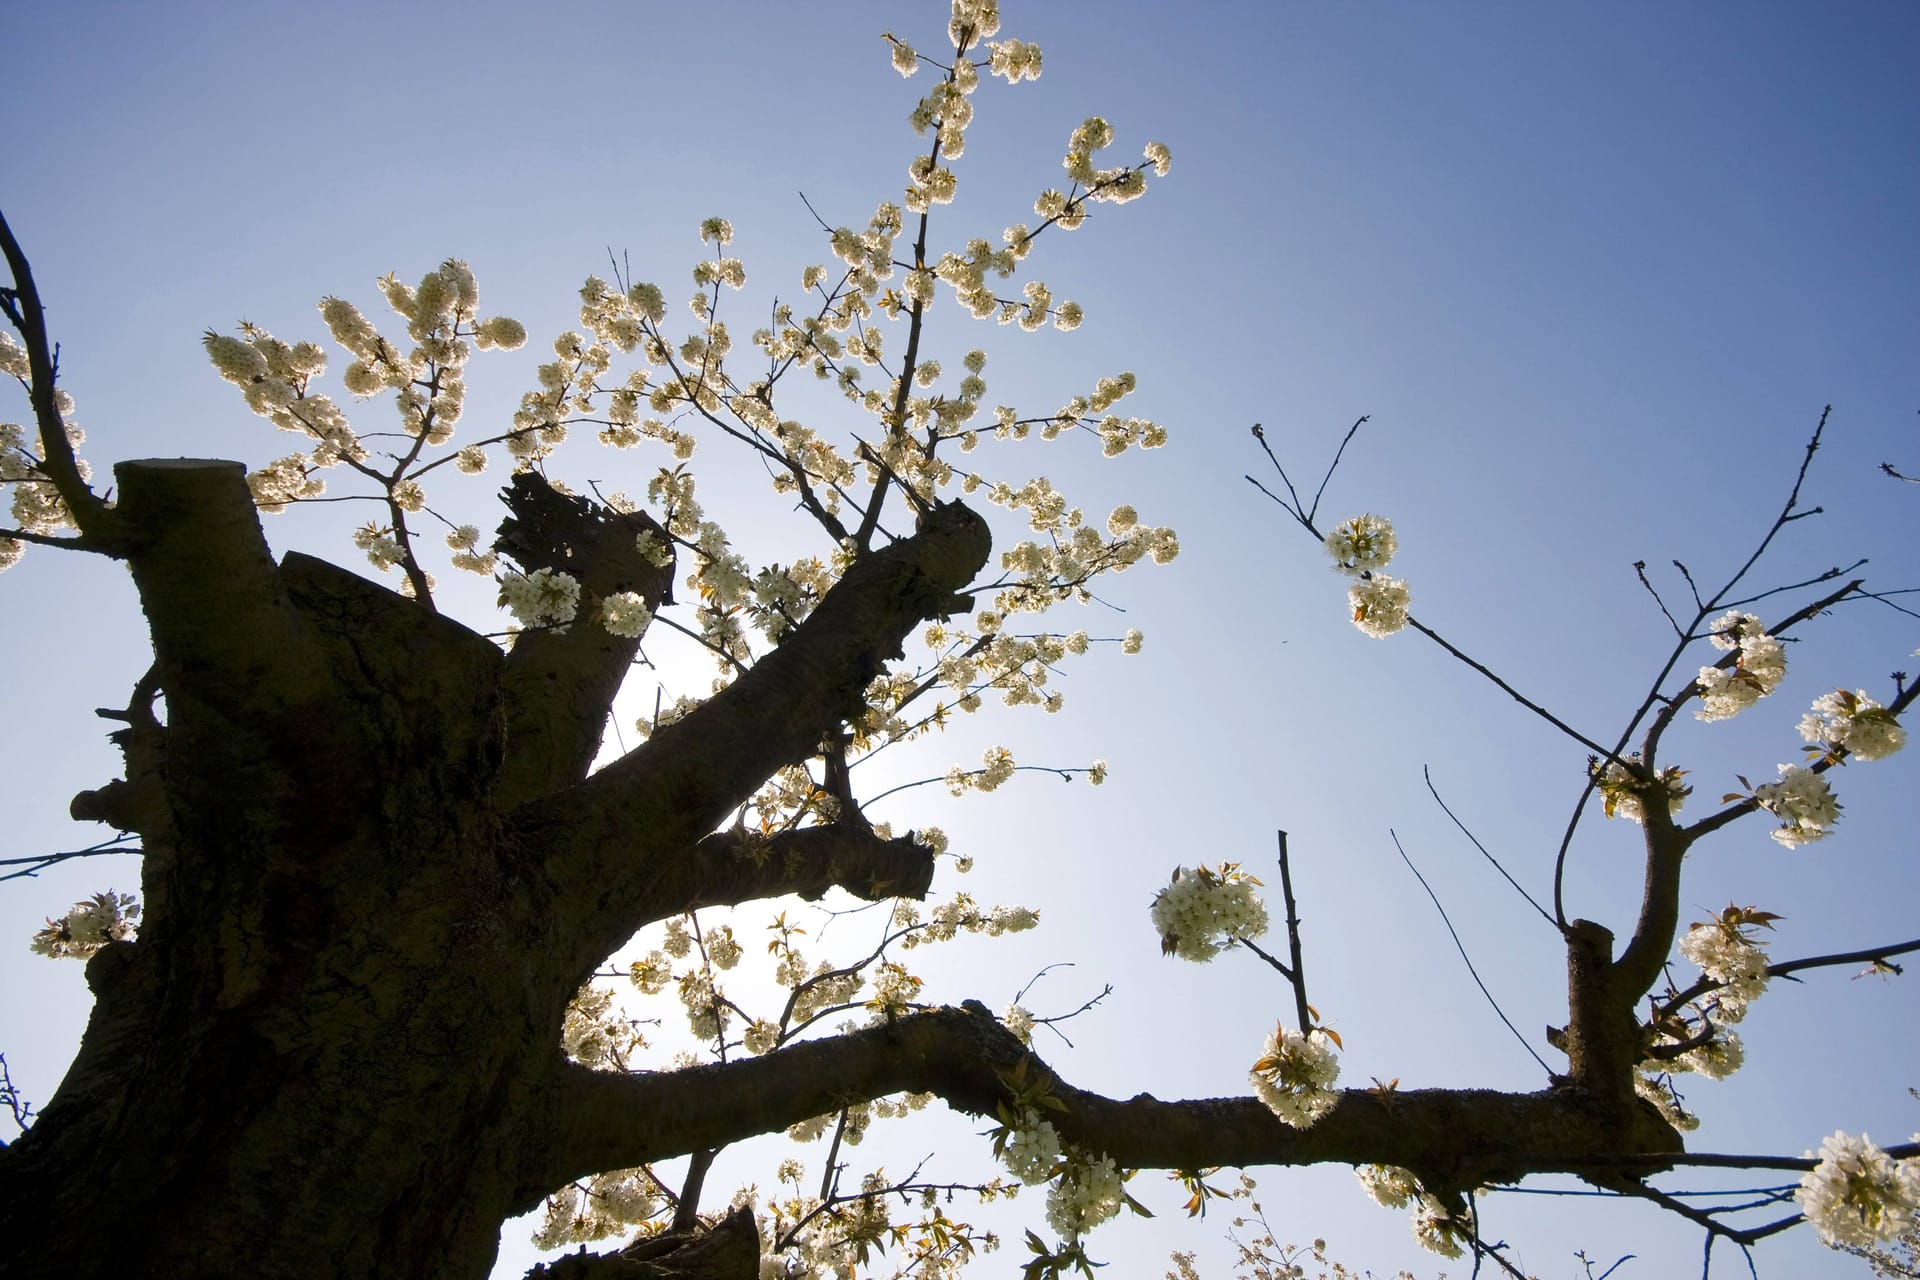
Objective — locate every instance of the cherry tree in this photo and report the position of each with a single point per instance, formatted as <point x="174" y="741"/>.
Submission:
<point x="361" y="1009"/>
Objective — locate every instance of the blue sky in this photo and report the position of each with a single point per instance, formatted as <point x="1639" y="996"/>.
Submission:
<point x="1592" y="270"/>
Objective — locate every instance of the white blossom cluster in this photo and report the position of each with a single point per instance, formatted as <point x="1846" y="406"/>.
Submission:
<point x="1757" y="671"/>
<point x="1717" y="1059"/>
<point x="959" y="914"/>
<point x="275" y="377"/>
<point x="1439" y="1226"/>
<point x="625" y="614"/>
<point x="1086" y="1193"/>
<point x="1032" y="1150"/>
<point x="708" y="1013"/>
<point x="36" y="505"/>
<point x="289" y="480"/>
<point x="826" y="987"/>
<point x="1854" y="723"/>
<point x="1803" y="802"/>
<point x="89" y="927"/>
<point x="970" y="665"/>
<point x="464" y="542"/>
<point x="894" y="991"/>
<point x="996" y="767"/>
<point x="1379" y="605"/>
<point x="545" y="597"/>
<point x="1202" y="911"/>
<point x="608" y="1204"/>
<point x="1727" y="953"/>
<point x="596" y="1033"/>
<point x="1295" y="1076"/>
<point x="1390" y="1186"/>
<point x="1361" y="546"/>
<point x="1858" y="1195"/>
<point x="1443" y="1228"/>
<point x="1624" y="790"/>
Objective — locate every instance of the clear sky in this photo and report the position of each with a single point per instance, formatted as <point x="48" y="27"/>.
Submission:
<point x="1593" y="270"/>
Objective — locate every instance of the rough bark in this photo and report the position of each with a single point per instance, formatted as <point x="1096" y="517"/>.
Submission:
<point x="332" y="1050"/>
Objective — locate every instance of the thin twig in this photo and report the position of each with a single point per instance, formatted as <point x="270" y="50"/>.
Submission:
<point x="1510" y="691"/>
<point x="1640" y="571"/>
<point x="1298" y="977"/>
<point x="1427" y="774"/>
<point x="1463" y="955"/>
<point x="1315" y="508"/>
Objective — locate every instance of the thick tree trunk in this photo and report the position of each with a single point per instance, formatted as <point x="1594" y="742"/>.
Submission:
<point x="334" y="1049"/>
<point x="321" y="1055"/>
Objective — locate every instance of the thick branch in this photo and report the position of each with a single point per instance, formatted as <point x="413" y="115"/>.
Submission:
<point x="611" y="837"/>
<point x="731" y="867"/>
<point x="1640" y="964"/>
<point x="225" y="637"/>
<point x="559" y="684"/>
<point x="604" y="1120"/>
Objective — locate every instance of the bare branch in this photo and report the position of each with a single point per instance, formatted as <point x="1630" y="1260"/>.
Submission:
<point x="1461" y="948"/>
<point x="1427" y="774"/>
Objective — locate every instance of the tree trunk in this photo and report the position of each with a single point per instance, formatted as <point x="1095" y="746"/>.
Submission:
<point x="334" y="1049"/>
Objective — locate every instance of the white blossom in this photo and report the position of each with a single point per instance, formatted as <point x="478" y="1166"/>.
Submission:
<point x="544" y="596"/>
<point x="1087" y="1194"/>
<point x="625" y="614"/>
<point x="1855" y="723"/>
<point x="1803" y="802"/>
<point x="1858" y="1195"/>
<point x="1756" y="672"/>
<point x="1440" y="1229"/>
<point x="1202" y="911"/>
<point x="89" y="927"/>
<point x="1295" y="1076"/>
<point x="1361" y="544"/>
<point x="1032" y="1149"/>
<point x="1379" y="605"/>
<point x="1390" y="1186"/>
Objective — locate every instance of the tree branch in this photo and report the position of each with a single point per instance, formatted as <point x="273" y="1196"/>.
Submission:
<point x="559" y="683"/>
<point x="1449" y="1137"/>
<point x="610" y="838"/>
<point x="97" y="522"/>
<point x="731" y="867"/>
<point x="226" y="639"/>
<point x="1867" y="955"/>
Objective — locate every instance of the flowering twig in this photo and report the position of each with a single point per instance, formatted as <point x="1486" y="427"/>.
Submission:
<point x="1875" y="956"/>
<point x="21" y="305"/>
